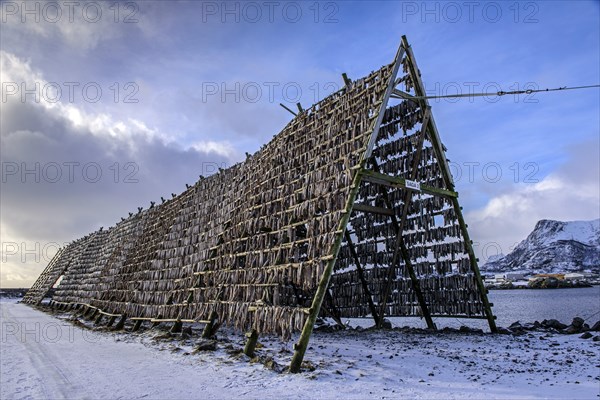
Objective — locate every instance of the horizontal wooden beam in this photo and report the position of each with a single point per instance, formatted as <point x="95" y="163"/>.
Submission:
<point x="399" y="94"/>
<point x="396" y="181"/>
<point x="373" y="210"/>
<point x="107" y="314"/>
<point x="173" y="320"/>
<point x="462" y="316"/>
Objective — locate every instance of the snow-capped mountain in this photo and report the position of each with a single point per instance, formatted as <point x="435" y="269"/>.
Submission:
<point x="554" y="246"/>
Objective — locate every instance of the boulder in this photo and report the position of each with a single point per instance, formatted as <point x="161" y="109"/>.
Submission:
<point x="205" y="345"/>
<point x="272" y="365"/>
<point x="596" y="327"/>
<point x="553" y="323"/>
<point x="577" y="322"/>
<point x="571" y="330"/>
<point x="586" y="335"/>
<point x="448" y="329"/>
<point x="386" y="324"/>
<point x="515" y="326"/>
<point x="466" y="329"/>
<point x="596" y="338"/>
<point x="575" y="327"/>
<point x="529" y="326"/>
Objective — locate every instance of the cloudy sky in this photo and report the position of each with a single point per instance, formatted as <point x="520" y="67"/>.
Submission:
<point x="108" y="106"/>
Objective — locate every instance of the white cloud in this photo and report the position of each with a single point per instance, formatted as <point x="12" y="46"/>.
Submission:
<point x="225" y="149"/>
<point x="570" y="193"/>
<point x="137" y="164"/>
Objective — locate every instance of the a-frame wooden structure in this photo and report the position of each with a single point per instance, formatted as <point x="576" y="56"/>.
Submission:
<point x="368" y="171"/>
<point x="351" y="208"/>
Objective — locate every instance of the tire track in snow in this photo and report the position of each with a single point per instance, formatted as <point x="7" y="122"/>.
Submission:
<point x="51" y="373"/>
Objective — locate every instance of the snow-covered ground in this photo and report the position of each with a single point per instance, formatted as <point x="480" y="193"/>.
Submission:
<point x="45" y="356"/>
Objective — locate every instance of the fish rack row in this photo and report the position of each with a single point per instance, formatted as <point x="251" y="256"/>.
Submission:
<point x="249" y="242"/>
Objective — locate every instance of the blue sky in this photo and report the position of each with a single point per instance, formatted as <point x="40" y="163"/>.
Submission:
<point x="177" y="58"/>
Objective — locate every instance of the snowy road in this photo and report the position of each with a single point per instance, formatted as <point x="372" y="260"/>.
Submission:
<point x="45" y="357"/>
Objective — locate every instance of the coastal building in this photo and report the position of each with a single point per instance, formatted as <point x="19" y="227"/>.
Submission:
<point x="576" y="276"/>
<point x="509" y="277"/>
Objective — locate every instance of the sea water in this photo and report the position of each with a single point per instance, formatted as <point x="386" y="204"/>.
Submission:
<point x="524" y="305"/>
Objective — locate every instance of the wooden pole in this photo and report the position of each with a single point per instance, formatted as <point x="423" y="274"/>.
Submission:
<point x="111" y="321"/>
<point x="208" y="329"/>
<point x="121" y="324"/>
<point x="301" y="346"/>
<point x="137" y="325"/>
<point x="443" y="162"/>
<point x="93" y="314"/>
<point x="177" y="326"/>
<point x="251" y="342"/>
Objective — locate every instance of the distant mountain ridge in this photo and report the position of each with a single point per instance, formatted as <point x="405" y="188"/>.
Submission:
<point x="552" y="247"/>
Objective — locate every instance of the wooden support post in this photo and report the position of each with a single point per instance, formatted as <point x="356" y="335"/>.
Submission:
<point x="111" y="321"/>
<point x="207" y="333"/>
<point x="93" y="314"/>
<point x="137" y="325"/>
<point x="443" y="162"/>
<point x="177" y="326"/>
<point x="121" y="324"/>
<point x="302" y="345"/>
<point x="347" y="81"/>
<point x="361" y="276"/>
<point x="251" y="342"/>
<point x="98" y="319"/>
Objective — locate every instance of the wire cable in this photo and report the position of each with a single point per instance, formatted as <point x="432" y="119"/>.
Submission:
<point x="499" y="93"/>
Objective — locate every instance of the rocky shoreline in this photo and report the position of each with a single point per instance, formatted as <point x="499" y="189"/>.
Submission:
<point x="577" y="326"/>
<point x="543" y="284"/>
